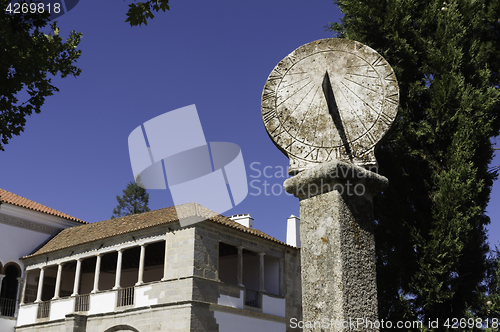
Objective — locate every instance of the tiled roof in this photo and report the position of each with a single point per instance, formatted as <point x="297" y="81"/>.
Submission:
<point x="11" y="198"/>
<point x="74" y="236"/>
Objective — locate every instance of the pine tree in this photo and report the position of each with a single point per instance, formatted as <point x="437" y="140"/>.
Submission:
<point x="430" y="222"/>
<point x="134" y="200"/>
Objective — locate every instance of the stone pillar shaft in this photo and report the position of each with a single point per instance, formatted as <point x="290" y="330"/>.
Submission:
<point x="40" y="286"/>
<point x="97" y="273"/>
<point x="76" y="284"/>
<point x="240" y="267"/>
<point x="282" y="278"/>
<point x="261" y="272"/>
<point x="165" y="260"/>
<point x="118" y="273"/>
<point x="58" y="281"/>
<point x="20" y="283"/>
<point x="140" y="277"/>
<point x="25" y="281"/>
<point x="338" y="245"/>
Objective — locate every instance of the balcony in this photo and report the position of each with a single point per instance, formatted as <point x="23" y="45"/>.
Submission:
<point x="7" y="307"/>
<point x="140" y="296"/>
<point x="118" y="279"/>
<point x="82" y="303"/>
<point x="125" y="297"/>
<point x="43" y="310"/>
<point x="96" y="303"/>
<point x="252" y="298"/>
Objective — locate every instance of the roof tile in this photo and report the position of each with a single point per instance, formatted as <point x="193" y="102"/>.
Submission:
<point x="11" y="198"/>
<point x="78" y="235"/>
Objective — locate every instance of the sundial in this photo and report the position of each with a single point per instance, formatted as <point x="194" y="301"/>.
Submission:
<point x="331" y="99"/>
<point x="326" y="106"/>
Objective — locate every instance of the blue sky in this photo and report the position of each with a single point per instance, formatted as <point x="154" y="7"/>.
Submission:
<point x="73" y="156"/>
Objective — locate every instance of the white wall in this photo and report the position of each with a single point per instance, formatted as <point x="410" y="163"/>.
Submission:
<point x="60" y="308"/>
<point x="7" y="324"/>
<point x="143" y="297"/>
<point x="230" y="301"/>
<point x="27" y="314"/>
<point x="102" y="302"/>
<point x="17" y="242"/>
<point x="273" y="306"/>
<point x="21" y="231"/>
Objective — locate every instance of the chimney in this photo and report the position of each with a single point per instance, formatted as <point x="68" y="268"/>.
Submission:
<point x="293" y="231"/>
<point x="243" y="219"/>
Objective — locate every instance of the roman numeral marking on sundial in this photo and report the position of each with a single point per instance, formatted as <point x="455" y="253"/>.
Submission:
<point x="393" y="98"/>
<point x="385" y="119"/>
<point x="268" y="115"/>
<point x="277" y="134"/>
<point x="293" y="59"/>
<point x="275" y="74"/>
<point x="371" y="138"/>
<point x="378" y="62"/>
<point x="390" y="77"/>
<point x="289" y="145"/>
<point x="312" y="154"/>
<point x="336" y="155"/>
<point x="267" y="94"/>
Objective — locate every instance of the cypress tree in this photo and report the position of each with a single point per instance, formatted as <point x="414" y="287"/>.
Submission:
<point x="135" y="200"/>
<point x="430" y="222"/>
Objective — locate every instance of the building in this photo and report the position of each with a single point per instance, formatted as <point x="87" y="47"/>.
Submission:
<point x="24" y="226"/>
<point x="147" y="273"/>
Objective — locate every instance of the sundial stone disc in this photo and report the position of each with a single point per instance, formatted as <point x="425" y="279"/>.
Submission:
<point x="330" y="99"/>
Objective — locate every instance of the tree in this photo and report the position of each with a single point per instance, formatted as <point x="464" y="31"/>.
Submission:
<point x="28" y="57"/>
<point x="430" y="223"/>
<point x="489" y="308"/>
<point x="139" y="13"/>
<point x="134" y="200"/>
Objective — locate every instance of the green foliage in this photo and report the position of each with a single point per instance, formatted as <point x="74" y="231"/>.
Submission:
<point x="139" y="13"/>
<point x="134" y="200"/>
<point x="28" y="57"/>
<point x="430" y="232"/>
<point x="489" y="301"/>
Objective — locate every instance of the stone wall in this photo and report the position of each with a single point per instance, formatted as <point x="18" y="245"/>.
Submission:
<point x="158" y="318"/>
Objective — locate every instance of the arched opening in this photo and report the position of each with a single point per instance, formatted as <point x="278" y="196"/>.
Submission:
<point x="122" y="328"/>
<point x="8" y="293"/>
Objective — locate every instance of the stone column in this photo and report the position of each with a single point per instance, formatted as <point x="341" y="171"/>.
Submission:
<point x="240" y="267"/>
<point x="23" y="292"/>
<point x="58" y="281"/>
<point x="165" y="260"/>
<point x="20" y="287"/>
<point x="40" y="286"/>
<point x="282" y="277"/>
<point x="97" y="273"/>
<point x="338" y="246"/>
<point x="261" y="271"/>
<point x="140" y="277"/>
<point x="76" y="284"/>
<point x="1" y="279"/>
<point x="118" y="274"/>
